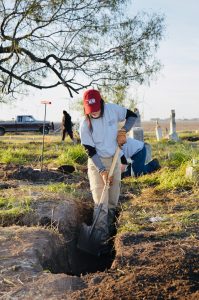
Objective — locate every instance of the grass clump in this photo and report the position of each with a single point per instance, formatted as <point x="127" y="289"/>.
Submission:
<point x="174" y="179"/>
<point x="74" y="155"/>
<point x="55" y="153"/>
<point x="174" y="159"/>
<point x="167" y="179"/>
<point x="174" y="154"/>
<point x="15" y="156"/>
<point x="12" y="208"/>
<point x="62" y="190"/>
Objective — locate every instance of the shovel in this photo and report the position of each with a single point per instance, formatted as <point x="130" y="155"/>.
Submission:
<point x="90" y="239"/>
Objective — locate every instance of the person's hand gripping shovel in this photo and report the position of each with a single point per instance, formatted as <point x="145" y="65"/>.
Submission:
<point x="89" y="241"/>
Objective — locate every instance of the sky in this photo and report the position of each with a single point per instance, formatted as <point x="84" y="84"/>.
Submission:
<point x="176" y="86"/>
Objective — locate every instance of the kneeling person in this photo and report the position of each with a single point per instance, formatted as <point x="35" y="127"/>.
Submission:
<point x="136" y="151"/>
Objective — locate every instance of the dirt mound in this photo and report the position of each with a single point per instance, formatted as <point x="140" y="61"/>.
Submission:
<point x="28" y="256"/>
<point x="147" y="267"/>
<point x="191" y="138"/>
<point x="49" y="286"/>
<point x="16" y="172"/>
<point x="27" y="173"/>
<point x="25" y="252"/>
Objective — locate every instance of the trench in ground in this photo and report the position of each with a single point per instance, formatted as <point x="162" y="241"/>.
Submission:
<point x="73" y="261"/>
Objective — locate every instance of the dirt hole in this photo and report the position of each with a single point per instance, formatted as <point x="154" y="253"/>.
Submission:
<point x="73" y="261"/>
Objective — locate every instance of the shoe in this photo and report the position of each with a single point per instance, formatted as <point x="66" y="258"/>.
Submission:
<point x="155" y="164"/>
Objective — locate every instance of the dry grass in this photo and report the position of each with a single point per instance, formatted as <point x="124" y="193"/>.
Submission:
<point x="165" y="213"/>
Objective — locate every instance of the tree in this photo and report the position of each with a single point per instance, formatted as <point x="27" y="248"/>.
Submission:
<point x="118" y="94"/>
<point x="75" y="43"/>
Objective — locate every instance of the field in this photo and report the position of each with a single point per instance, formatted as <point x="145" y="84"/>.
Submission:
<point x="181" y="126"/>
<point x="155" y="250"/>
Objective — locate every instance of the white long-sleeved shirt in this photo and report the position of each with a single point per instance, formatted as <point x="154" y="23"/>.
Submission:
<point x="104" y="134"/>
<point x="131" y="147"/>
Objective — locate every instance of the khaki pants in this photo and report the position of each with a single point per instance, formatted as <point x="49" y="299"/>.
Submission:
<point x="96" y="186"/>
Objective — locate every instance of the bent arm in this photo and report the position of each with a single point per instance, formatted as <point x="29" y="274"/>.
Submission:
<point x="91" y="151"/>
<point x="130" y="120"/>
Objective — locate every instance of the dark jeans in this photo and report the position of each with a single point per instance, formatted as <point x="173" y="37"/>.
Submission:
<point x="138" y="163"/>
<point x="69" y="132"/>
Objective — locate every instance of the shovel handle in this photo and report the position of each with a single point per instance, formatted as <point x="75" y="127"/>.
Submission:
<point x="117" y="152"/>
<point x="105" y="189"/>
<point x="107" y="185"/>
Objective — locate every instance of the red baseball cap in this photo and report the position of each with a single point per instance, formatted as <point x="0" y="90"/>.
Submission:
<point x="92" y="101"/>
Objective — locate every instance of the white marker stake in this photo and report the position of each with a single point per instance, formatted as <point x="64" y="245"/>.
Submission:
<point x="42" y="152"/>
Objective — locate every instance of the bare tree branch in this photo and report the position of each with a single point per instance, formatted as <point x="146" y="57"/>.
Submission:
<point x="75" y="44"/>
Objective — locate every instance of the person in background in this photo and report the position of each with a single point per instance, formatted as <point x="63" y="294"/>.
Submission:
<point x="52" y="126"/>
<point x="67" y="126"/>
<point x="135" y="150"/>
<point x="100" y="136"/>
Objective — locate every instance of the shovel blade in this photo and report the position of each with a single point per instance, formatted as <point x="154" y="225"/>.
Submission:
<point x="89" y="240"/>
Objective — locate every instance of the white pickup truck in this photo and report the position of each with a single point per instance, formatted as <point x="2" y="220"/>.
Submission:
<point x="25" y="123"/>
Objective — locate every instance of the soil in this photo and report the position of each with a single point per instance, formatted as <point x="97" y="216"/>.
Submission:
<point x="191" y="138"/>
<point x="39" y="258"/>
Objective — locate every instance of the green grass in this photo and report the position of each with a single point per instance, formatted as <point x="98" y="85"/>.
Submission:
<point x="161" y="181"/>
<point x="15" y="156"/>
<point x="74" y="155"/>
<point x="11" y="207"/>
<point x="55" y="153"/>
<point x="60" y="188"/>
<point x="16" y="202"/>
<point x="174" y="179"/>
<point x="174" y="159"/>
<point x="174" y="154"/>
<point x="166" y="193"/>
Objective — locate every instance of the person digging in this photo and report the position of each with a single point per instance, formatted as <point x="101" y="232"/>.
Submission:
<point x="100" y="136"/>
